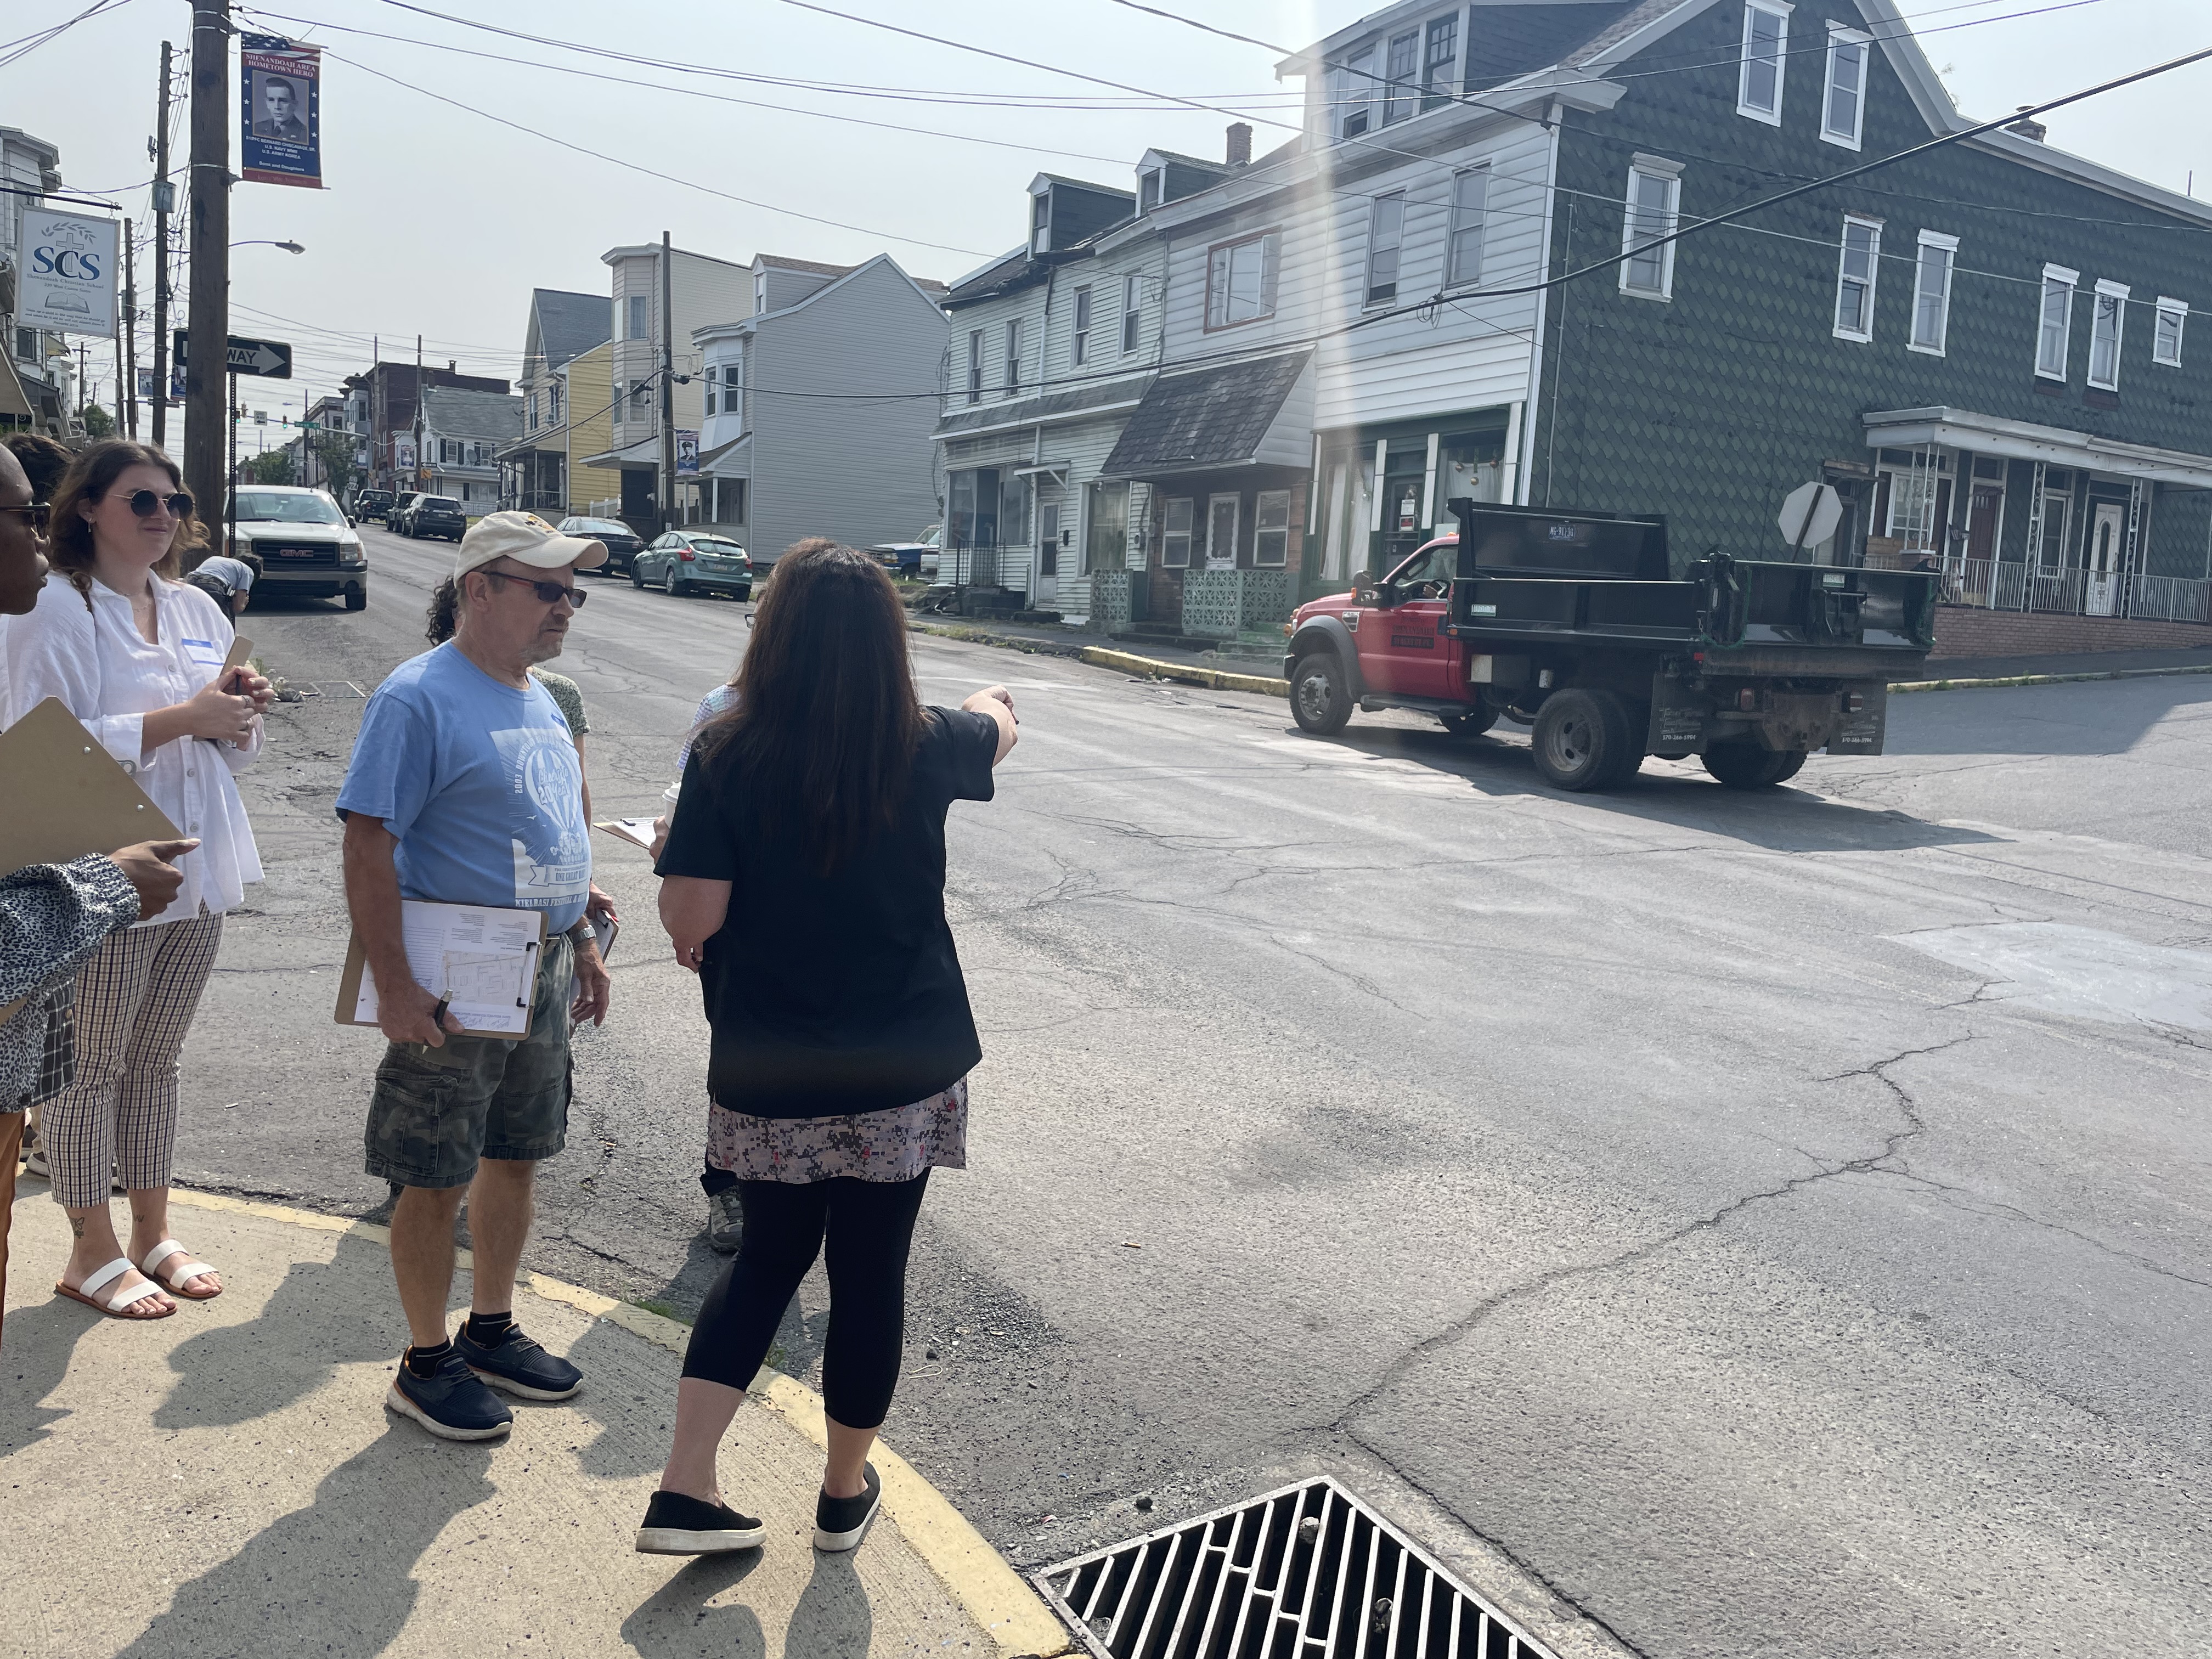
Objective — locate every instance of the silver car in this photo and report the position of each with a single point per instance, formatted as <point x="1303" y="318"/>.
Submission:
<point x="684" y="561"/>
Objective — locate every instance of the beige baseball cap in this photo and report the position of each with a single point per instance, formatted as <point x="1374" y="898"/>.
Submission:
<point x="528" y="540"/>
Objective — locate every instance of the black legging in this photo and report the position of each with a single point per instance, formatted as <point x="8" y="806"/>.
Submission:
<point x="870" y="1224"/>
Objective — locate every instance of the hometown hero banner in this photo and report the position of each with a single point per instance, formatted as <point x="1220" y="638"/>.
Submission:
<point x="68" y="281"/>
<point x="280" y="112"/>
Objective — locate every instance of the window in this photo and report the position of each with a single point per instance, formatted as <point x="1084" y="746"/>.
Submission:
<point x="533" y="412"/>
<point x="1931" y="292"/>
<point x="1351" y="93"/>
<point x="1175" y="532"/>
<point x="641" y="319"/>
<point x="1148" y="190"/>
<point x="1240" y="281"/>
<point x="553" y="401"/>
<point x="1106" y="527"/>
<point x="733" y="387"/>
<point x="1014" y="355"/>
<point x="2058" y="508"/>
<point x="1079" y="344"/>
<point x="760" y="292"/>
<point x="1439" y="60"/>
<point x="975" y="366"/>
<point x="710" y="393"/>
<point x="1386" y="231"/>
<point x="1130" y="313"/>
<point x="1842" y="109"/>
<point x="2166" y="344"/>
<point x="641" y="399"/>
<point x="1855" y="279"/>
<point x="1041" y="224"/>
<point x="2055" y="323"/>
<point x="1765" y="49"/>
<point x="1221" y="531"/>
<point x="1470" y="204"/>
<point x="1270" y="544"/>
<point x="1400" y="97"/>
<point x="2105" y="323"/>
<point x="1654" y="190"/>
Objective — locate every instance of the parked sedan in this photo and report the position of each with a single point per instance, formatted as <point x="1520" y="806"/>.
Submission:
<point x="686" y="559"/>
<point x="623" y="544"/>
<point x="437" y="515"/>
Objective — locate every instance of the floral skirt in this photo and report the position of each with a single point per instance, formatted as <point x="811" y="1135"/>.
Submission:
<point x="897" y="1144"/>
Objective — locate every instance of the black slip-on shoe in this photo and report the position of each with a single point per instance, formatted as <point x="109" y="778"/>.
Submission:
<point x="519" y="1366"/>
<point x="839" y="1522"/>
<point x="449" y="1402"/>
<point x="677" y="1525"/>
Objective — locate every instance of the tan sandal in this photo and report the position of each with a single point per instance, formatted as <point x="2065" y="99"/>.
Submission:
<point x="173" y="1279"/>
<point x="115" y="1306"/>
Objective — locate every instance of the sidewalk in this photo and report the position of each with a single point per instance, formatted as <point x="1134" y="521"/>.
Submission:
<point x="226" y="1482"/>
<point x="2083" y="662"/>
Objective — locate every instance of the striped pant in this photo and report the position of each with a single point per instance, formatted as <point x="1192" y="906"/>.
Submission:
<point x="135" y="1001"/>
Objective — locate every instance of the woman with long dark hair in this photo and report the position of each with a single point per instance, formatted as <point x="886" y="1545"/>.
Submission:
<point x="804" y="882"/>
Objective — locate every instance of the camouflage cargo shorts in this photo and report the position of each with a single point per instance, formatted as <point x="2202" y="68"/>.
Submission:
<point x="436" y="1111"/>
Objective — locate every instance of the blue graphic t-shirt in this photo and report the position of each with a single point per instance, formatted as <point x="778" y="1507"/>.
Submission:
<point x="480" y="783"/>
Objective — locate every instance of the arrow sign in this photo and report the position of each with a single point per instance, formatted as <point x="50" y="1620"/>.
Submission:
<point x="271" y="360"/>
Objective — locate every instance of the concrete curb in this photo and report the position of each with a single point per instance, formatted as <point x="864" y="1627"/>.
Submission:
<point x="2047" y="679"/>
<point x="1099" y="656"/>
<point x="989" y="1591"/>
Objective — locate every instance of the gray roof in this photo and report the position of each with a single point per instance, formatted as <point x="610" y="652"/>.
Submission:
<point x="1050" y="406"/>
<point x="569" y="325"/>
<point x="453" y="412"/>
<point x="1214" y="417"/>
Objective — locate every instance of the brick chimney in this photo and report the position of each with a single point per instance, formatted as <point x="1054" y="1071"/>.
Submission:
<point x="1240" y="145"/>
<point x="2026" y="128"/>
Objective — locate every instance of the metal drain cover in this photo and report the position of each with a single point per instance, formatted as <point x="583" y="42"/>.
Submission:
<point x="1308" y="1572"/>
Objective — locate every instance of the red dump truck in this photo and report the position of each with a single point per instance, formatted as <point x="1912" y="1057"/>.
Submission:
<point x="1572" y="623"/>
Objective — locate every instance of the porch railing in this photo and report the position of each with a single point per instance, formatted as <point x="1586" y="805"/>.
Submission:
<point x="2004" y="584"/>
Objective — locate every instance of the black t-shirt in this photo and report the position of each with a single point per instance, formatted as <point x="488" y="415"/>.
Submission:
<point x="840" y="992"/>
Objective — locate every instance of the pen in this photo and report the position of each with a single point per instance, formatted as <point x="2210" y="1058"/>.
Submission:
<point x="438" y="1013"/>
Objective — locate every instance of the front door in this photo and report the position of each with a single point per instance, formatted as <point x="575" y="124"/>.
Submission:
<point x="1984" y="519"/>
<point x="1402" y="647"/>
<point x="1046" y="590"/>
<point x="2103" y="597"/>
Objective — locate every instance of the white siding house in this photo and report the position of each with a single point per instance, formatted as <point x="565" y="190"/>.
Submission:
<point x="813" y="424"/>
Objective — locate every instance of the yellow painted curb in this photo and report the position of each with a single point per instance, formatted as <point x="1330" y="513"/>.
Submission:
<point x="1153" y="667"/>
<point x="992" y="1593"/>
<point x="2047" y="679"/>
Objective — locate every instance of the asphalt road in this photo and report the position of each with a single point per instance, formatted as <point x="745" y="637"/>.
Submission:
<point x="1776" y="1224"/>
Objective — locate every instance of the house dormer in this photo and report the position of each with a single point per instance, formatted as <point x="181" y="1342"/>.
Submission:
<point x="1165" y="176"/>
<point x="1064" y="211"/>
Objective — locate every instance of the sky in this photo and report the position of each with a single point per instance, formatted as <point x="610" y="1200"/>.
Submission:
<point x="439" y="218"/>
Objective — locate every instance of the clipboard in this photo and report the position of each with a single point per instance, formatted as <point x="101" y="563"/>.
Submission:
<point x="638" y="832"/>
<point x="484" y="960"/>
<point x="240" y="649"/>
<point x="62" y="796"/>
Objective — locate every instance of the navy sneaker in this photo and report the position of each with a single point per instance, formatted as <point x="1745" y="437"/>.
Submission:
<point x="517" y="1365"/>
<point x="677" y="1525"/>
<point x="449" y="1402"/>
<point x="839" y="1522"/>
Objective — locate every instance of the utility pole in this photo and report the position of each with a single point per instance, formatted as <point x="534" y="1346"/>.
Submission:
<point x="419" y="467"/>
<point x="212" y="112"/>
<point x="667" y="394"/>
<point x="229" y="519"/>
<point x="126" y="346"/>
<point x="164" y="192"/>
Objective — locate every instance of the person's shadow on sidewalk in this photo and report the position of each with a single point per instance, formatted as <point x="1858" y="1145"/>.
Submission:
<point x="314" y="1322"/>
<point x="336" y="1577"/>
<point x="833" y="1619"/>
<point x="34" y="1357"/>
<point x="676" y="1622"/>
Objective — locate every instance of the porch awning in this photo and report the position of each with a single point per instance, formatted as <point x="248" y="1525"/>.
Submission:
<point x="12" y="399"/>
<point x="645" y="452"/>
<point x="1254" y="413"/>
<point x="708" y="458"/>
<point x="2024" y="441"/>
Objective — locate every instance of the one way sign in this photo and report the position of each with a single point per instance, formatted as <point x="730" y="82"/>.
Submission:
<point x="269" y="359"/>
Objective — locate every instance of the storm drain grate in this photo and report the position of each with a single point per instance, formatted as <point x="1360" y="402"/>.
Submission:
<point x="1308" y="1572"/>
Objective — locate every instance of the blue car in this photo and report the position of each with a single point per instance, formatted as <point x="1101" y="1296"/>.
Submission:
<point x="687" y="561"/>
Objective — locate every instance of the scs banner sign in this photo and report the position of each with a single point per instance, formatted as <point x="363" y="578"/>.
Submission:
<point x="68" y="274"/>
<point x="281" y="112"/>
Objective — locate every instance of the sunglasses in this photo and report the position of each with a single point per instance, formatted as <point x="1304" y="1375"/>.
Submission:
<point x="547" y="593"/>
<point x="147" y="502"/>
<point x="38" y="514"/>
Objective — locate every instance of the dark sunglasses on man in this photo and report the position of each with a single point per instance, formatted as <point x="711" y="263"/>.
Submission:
<point x="38" y="513"/>
<point x="547" y="593"/>
<point x="147" y="502"/>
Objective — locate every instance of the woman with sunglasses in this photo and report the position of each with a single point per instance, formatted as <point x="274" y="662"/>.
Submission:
<point x="137" y="656"/>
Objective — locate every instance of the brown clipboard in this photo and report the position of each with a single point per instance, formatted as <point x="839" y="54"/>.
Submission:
<point x="357" y="962"/>
<point x="240" y="649"/>
<point x="62" y="796"/>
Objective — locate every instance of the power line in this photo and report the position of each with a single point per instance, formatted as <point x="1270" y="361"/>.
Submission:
<point x="24" y="45"/>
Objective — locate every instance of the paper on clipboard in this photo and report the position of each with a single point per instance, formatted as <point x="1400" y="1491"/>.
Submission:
<point x="638" y="832"/>
<point x="482" y="960"/>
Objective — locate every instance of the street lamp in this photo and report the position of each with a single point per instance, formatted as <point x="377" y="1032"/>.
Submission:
<point x="288" y="247"/>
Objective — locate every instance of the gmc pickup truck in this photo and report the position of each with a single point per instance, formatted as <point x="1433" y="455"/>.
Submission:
<point x="1572" y="624"/>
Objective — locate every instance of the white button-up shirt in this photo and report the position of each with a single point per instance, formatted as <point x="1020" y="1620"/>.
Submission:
<point x="97" y="663"/>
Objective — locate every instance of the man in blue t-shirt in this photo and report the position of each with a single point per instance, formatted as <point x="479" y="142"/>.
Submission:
<point x="465" y="788"/>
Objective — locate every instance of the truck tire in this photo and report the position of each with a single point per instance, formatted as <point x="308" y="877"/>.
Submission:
<point x="1744" y="765"/>
<point x="1581" y="740"/>
<point x="1320" y="702"/>
<point x="357" y="599"/>
<point x="1473" y="724"/>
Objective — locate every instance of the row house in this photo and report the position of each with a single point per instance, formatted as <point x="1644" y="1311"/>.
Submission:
<point x="384" y="402"/>
<point x="537" y="471"/>
<point x="799" y="438"/>
<point x="38" y="370"/>
<point x="463" y="433"/>
<point x="1052" y="347"/>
